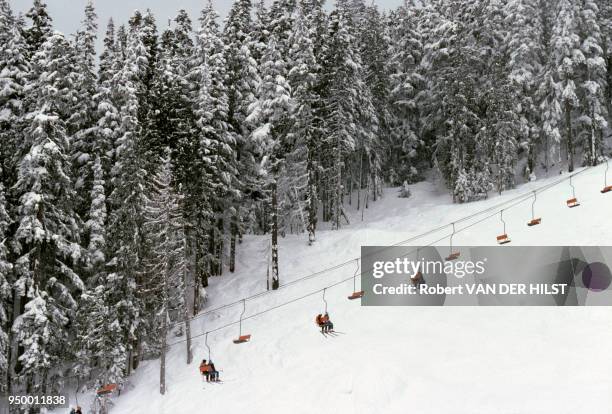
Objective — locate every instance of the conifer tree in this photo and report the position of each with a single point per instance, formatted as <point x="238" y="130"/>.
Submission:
<point x="218" y="147"/>
<point x="81" y="120"/>
<point x="5" y="291"/>
<point x="40" y="29"/>
<point x="165" y="224"/>
<point x="376" y="116"/>
<point x="260" y="32"/>
<point x="305" y="129"/>
<point x="14" y="74"/>
<point x="405" y="96"/>
<point x="282" y="20"/>
<point x="270" y="114"/>
<point x="567" y="57"/>
<point x="349" y="113"/>
<point x="96" y="223"/>
<point x="105" y="100"/>
<point x="525" y="67"/>
<point x="47" y="237"/>
<point x="241" y="83"/>
<point x="127" y="199"/>
<point x="592" y="87"/>
<point x="604" y="17"/>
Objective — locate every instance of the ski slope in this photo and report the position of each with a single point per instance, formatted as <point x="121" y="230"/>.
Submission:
<point x="459" y="360"/>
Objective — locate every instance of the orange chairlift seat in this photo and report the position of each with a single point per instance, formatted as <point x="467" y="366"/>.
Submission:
<point x="503" y="238"/>
<point x="572" y="202"/>
<point x="356" y="293"/>
<point x="607" y="188"/>
<point x="106" y="389"/>
<point x="534" y="221"/>
<point x="242" y="338"/>
<point x="452" y="255"/>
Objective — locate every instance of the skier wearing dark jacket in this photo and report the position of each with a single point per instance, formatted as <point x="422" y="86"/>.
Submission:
<point x="214" y="374"/>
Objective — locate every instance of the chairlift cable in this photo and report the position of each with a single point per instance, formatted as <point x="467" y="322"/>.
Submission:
<point x="519" y="198"/>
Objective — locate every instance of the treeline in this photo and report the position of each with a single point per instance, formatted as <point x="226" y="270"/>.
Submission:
<point x="129" y="178"/>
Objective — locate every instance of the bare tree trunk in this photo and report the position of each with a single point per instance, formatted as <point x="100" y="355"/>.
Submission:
<point x="546" y="155"/>
<point x="129" y="361"/>
<point x="367" y="196"/>
<point x="275" y="276"/>
<point x="232" y="259"/>
<point x="13" y="344"/>
<point x="312" y="209"/>
<point x="338" y="191"/>
<point x="375" y="182"/>
<point x="188" y="337"/>
<point x="531" y="159"/>
<point x="191" y="269"/>
<point x="570" y="138"/>
<point x="219" y="253"/>
<point x="162" y="364"/>
<point x="360" y="180"/>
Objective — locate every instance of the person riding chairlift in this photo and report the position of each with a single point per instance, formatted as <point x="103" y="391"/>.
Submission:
<point x="324" y="322"/>
<point x="214" y="374"/>
<point x="209" y="371"/>
<point x="205" y="369"/>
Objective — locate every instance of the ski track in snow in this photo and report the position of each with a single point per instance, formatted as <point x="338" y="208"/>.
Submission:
<point x="426" y="360"/>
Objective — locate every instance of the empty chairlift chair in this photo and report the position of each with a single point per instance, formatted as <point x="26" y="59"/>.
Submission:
<point x="242" y="338"/>
<point x="503" y="238"/>
<point x="452" y="255"/>
<point x="356" y="293"/>
<point x="534" y="221"/>
<point x="106" y="389"/>
<point x="572" y="202"/>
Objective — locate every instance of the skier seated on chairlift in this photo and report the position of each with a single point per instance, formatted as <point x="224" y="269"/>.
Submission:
<point x="324" y="323"/>
<point x="76" y="410"/>
<point x="209" y="371"/>
<point x="205" y="369"/>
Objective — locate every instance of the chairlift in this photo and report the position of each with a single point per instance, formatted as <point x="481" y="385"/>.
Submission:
<point x="356" y="294"/>
<point x="206" y="344"/>
<point x="452" y="255"/>
<point x="106" y="389"/>
<point x="534" y="221"/>
<point x="242" y="338"/>
<point x="325" y="300"/>
<point x="323" y="321"/>
<point x="208" y="368"/>
<point x="607" y="188"/>
<point x="572" y="202"/>
<point x="503" y="238"/>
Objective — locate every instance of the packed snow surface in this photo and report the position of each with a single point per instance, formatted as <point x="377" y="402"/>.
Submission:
<point x="489" y="360"/>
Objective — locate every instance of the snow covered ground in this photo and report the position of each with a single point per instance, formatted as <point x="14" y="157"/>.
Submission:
<point x="493" y="360"/>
